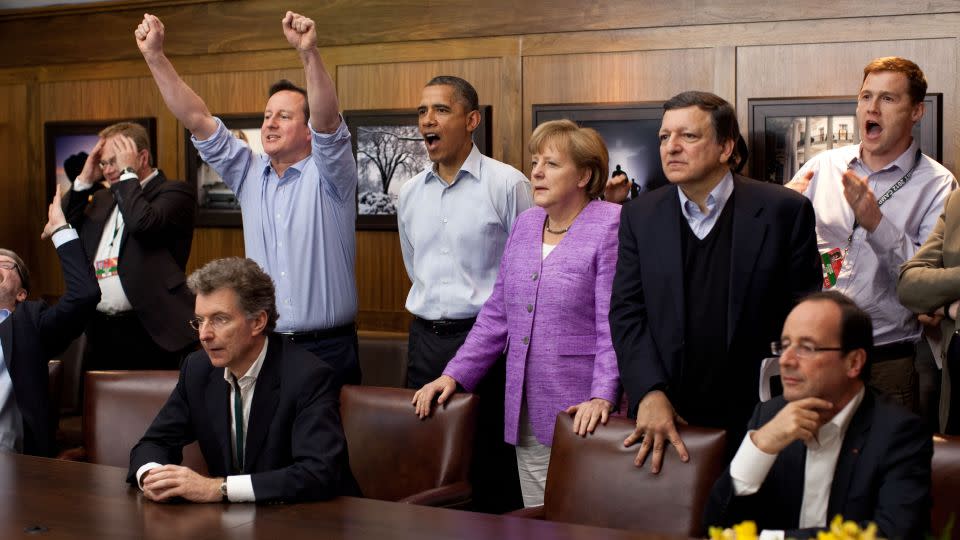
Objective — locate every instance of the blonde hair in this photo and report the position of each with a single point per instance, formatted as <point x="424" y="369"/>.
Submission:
<point x="133" y="130"/>
<point x="584" y="146"/>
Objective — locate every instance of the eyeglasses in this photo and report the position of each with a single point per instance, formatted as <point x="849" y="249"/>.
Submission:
<point x="112" y="162"/>
<point x="802" y="350"/>
<point x="216" y="322"/>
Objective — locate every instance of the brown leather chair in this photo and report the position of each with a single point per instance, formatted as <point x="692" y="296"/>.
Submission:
<point x="395" y="456"/>
<point x="54" y="387"/>
<point x="592" y="480"/>
<point x="945" y="488"/>
<point x="118" y="408"/>
<point x="383" y="358"/>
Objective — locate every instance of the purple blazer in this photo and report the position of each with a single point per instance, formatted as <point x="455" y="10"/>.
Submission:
<point x="551" y="315"/>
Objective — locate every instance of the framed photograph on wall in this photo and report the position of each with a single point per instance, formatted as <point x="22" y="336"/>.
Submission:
<point x="389" y="151"/>
<point x="786" y="132"/>
<point x="630" y="131"/>
<point x="67" y="145"/>
<point x="216" y="203"/>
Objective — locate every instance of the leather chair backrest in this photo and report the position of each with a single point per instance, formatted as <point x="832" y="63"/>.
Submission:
<point x="592" y="480"/>
<point x="54" y="387"/>
<point x="72" y="359"/>
<point x="945" y="486"/>
<point x="383" y="358"/>
<point x="394" y="454"/>
<point x="118" y="408"/>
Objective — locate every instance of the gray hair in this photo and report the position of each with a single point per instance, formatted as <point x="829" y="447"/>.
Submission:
<point x="21" y="268"/>
<point x="253" y="286"/>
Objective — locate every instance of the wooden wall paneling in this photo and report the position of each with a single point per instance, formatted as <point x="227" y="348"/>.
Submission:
<point x="919" y="26"/>
<point x="16" y="223"/>
<point x="382" y="283"/>
<point x="611" y="78"/>
<point x="246" y="25"/>
<point x="836" y="69"/>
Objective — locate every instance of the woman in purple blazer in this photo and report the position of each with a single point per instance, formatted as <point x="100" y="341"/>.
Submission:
<point x="549" y="306"/>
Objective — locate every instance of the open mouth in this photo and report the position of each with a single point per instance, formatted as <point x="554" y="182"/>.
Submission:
<point x="273" y="138"/>
<point x="431" y="140"/>
<point x="873" y="129"/>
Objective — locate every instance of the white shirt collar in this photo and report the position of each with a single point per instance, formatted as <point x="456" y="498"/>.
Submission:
<point x="717" y="198"/>
<point x="837" y="426"/>
<point x="254" y="371"/>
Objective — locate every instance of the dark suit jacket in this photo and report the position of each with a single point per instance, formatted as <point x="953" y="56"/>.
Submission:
<point x="35" y="332"/>
<point x="882" y="475"/>
<point x="773" y="264"/>
<point x="295" y="447"/>
<point x="154" y="248"/>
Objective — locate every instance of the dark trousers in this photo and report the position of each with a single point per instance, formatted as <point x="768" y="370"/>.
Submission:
<point x="953" y="370"/>
<point x="120" y="342"/>
<point x="496" y="484"/>
<point x="340" y="352"/>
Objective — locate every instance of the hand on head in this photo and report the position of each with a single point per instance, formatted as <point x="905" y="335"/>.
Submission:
<point x="125" y="151"/>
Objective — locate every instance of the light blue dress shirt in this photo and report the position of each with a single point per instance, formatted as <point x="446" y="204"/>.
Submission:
<point x="453" y="236"/>
<point x="299" y="227"/>
<point x="702" y="223"/>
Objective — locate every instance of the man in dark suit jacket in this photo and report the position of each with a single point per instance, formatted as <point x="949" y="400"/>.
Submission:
<point x="137" y="235"/>
<point x="708" y="269"/>
<point x="264" y="411"/>
<point x="828" y="446"/>
<point x="31" y="333"/>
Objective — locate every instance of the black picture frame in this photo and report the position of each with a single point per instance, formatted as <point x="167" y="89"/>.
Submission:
<point x="630" y="130"/>
<point x="770" y="122"/>
<point x="63" y="139"/>
<point x="376" y="196"/>
<point x="217" y="206"/>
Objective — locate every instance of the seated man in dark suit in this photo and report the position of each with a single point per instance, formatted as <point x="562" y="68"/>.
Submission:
<point x="264" y="411"/>
<point x="828" y="446"/>
<point x="31" y="333"/>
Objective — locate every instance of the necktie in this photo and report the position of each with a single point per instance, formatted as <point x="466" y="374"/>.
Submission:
<point x="238" y="422"/>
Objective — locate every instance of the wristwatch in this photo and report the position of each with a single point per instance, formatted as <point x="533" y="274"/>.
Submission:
<point x="128" y="170"/>
<point x="223" y="491"/>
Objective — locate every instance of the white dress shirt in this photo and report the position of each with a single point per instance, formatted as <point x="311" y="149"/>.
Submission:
<point x="240" y="486"/>
<point x="453" y="235"/>
<point x="113" y="299"/>
<point x="750" y="466"/>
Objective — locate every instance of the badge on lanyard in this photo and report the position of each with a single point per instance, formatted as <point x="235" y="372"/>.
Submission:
<point x="832" y="262"/>
<point x="105" y="268"/>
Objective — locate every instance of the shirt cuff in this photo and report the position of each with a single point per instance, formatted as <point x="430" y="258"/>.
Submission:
<point x="62" y="237"/>
<point x="143" y="470"/>
<point x="80" y="185"/>
<point x="750" y="467"/>
<point x="128" y="176"/>
<point x="240" y="488"/>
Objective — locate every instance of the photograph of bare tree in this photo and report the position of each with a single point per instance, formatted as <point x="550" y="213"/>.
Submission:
<point x="390" y="151"/>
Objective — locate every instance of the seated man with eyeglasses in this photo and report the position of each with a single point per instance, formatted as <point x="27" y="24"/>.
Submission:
<point x="828" y="445"/>
<point x="263" y="410"/>
<point x="137" y="233"/>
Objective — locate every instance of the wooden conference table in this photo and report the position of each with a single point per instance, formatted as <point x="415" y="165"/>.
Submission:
<point x="46" y="498"/>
